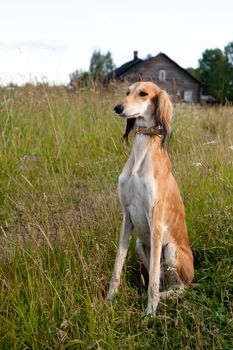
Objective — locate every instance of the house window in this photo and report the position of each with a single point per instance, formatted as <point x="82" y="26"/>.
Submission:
<point x="162" y="75"/>
<point x="188" y="94"/>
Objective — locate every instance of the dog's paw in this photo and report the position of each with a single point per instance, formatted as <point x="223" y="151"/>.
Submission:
<point x="151" y="309"/>
<point x="111" y="294"/>
<point x="108" y="298"/>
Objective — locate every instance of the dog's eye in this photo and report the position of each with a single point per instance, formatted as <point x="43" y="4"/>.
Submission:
<point x="143" y="93"/>
<point x="127" y="93"/>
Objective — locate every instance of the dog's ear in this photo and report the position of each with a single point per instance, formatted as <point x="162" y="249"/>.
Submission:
<point x="164" y="112"/>
<point x="128" y="127"/>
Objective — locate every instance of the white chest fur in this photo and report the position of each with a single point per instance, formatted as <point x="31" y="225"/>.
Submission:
<point x="137" y="188"/>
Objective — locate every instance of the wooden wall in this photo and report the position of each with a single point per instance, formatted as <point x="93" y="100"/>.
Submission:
<point x="176" y="83"/>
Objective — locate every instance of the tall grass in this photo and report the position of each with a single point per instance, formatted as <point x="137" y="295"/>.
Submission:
<point x="59" y="221"/>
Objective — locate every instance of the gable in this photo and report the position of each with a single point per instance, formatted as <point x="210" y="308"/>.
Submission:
<point x="164" y="72"/>
<point x="162" y="62"/>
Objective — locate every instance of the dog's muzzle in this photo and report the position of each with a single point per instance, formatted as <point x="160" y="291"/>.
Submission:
<point x="119" y="109"/>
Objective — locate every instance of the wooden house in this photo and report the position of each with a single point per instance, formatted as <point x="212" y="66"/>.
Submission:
<point x="164" y="72"/>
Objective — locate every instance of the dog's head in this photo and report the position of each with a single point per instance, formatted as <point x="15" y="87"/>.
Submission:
<point x="147" y="101"/>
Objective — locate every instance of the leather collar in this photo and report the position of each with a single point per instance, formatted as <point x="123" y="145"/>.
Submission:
<point x="153" y="130"/>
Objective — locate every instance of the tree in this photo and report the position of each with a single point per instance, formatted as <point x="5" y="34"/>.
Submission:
<point x="228" y="51"/>
<point x="101" y="65"/>
<point x="215" y="70"/>
<point x="212" y="70"/>
<point x="149" y="55"/>
<point x="79" y="79"/>
<point x="193" y="72"/>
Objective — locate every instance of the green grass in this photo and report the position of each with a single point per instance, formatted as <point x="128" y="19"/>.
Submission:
<point x="60" y="157"/>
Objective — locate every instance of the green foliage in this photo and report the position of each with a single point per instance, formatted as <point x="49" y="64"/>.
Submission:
<point x="101" y="65"/>
<point x="193" y="72"/>
<point x="60" y="157"/>
<point x="79" y="79"/>
<point x="215" y="70"/>
<point x="228" y="51"/>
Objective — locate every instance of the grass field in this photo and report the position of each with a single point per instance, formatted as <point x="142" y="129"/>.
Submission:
<point x="60" y="157"/>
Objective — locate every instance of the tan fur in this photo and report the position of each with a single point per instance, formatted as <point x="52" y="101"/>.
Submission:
<point x="159" y="216"/>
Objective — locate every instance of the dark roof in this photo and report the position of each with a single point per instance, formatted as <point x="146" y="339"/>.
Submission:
<point x="136" y="64"/>
<point x="126" y="67"/>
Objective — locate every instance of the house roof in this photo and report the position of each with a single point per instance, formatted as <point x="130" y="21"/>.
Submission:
<point x="126" y="67"/>
<point x="137" y="63"/>
<point x="177" y="65"/>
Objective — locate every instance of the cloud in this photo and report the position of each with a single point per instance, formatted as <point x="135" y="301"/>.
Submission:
<point x="34" y="61"/>
<point x="32" y="45"/>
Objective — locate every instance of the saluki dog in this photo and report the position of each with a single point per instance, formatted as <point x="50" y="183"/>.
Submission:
<point x="150" y="197"/>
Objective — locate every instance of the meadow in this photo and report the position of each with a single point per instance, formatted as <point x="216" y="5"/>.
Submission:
<point x="60" y="157"/>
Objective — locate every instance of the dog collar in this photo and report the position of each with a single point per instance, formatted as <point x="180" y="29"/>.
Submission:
<point x="153" y="130"/>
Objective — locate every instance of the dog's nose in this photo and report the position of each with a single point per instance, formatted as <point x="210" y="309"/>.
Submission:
<point x="119" y="109"/>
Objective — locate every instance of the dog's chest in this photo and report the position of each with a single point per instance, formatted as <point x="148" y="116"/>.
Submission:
<point x="137" y="194"/>
<point x="137" y="188"/>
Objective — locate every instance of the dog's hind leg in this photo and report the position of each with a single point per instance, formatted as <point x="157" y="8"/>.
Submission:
<point x="172" y="279"/>
<point x="144" y="253"/>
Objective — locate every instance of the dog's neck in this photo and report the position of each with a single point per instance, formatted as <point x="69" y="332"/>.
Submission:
<point x="145" y="122"/>
<point x="144" y="144"/>
<point x="148" y="127"/>
<point x="152" y="131"/>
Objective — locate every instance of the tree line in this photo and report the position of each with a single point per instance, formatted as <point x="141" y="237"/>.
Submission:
<point x="215" y="71"/>
<point x="100" y="66"/>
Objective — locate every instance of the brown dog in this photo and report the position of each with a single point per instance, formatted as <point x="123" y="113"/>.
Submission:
<point x="149" y="195"/>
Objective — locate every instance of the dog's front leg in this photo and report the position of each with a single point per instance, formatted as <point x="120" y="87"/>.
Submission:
<point x="154" y="270"/>
<point x="125" y="235"/>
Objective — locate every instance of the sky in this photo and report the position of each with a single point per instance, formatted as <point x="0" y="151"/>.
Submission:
<point x="46" y="40"/>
